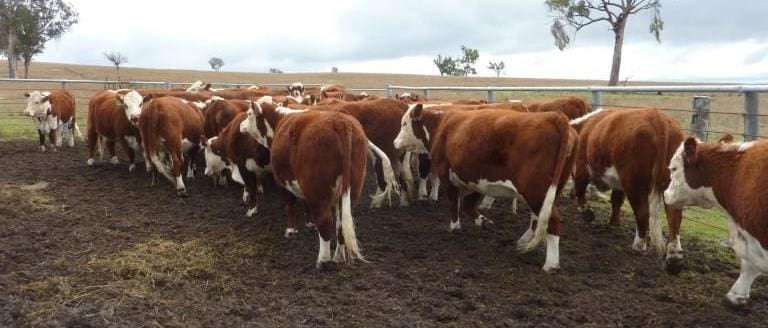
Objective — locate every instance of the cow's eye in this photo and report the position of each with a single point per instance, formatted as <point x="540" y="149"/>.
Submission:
<point x="673" y="169"/>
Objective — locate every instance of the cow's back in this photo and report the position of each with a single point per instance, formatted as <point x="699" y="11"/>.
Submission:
<point x="62" y="104"/>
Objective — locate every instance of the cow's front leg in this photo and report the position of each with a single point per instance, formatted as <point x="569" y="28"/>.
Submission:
<point x="455" y="200"/>
<point x="292" y="228"/>
<point x="42" y="139"/>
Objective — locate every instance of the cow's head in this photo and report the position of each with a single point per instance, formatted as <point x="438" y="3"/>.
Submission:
<point x="413" y="134"/>
<point x="296" y="90"/>
<point x="688" y="185"/>
<point x="38" y="104"/>
<point x="257" y="126"/>
<point x="131" y="103"/>
<point x="214" y="162"/>
<point x="198" y="86"/>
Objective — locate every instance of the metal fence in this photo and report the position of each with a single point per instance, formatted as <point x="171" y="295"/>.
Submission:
<point x="700" y="111"/>
<point x="736" y="111"/>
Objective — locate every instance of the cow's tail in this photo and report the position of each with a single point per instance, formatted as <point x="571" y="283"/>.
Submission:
<point x="566" y="147"/>
<point x="389" y="176"/>
<point x="656" y="192"/>
<point x="352" y="248"/>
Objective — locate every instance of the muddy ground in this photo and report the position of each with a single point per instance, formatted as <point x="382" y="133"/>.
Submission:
<point x="100" y="247"/>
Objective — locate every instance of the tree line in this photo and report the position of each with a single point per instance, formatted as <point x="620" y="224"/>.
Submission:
<point x="26" y="25"/>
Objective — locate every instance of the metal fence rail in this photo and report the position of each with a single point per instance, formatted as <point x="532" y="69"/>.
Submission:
<point x="699" y="119"/>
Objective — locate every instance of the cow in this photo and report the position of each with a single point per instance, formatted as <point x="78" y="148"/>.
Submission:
<point x="52" y="112"/>
<point x="170" y="130"/>
<point x="320" y="157"/>
<point x="470" y="102"/>
<point x="410" y="98"/>
<point x="627" y="151"/>
<point x="334" y="88"/>
<point x="108" y="123"/>
<point x="573" y="107"/>
<point x="296" y="90"/>
<point x="242" y="155"/>
<point x="499" y="153"/>
<point x="730" y="176"/>
<point x="219" y="112"/>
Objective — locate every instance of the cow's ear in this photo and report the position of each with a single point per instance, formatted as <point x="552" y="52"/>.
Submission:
<point x="207" y="86"/>
<point x="418" y="112"/>
<point x="689" y="150"/>
<point x="727" y="138"/>
<point x="147" y="98"/>
<point x="45" y="99"/>
<point x="26" y="95"/>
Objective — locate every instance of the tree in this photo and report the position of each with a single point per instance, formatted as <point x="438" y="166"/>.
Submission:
<point x="468" y="60"/>
<point x="275" y="70"/>
<point x="39" y="22"/>
<point x="9" y="18"/>
<point x="496" y="67"/>
<point x="216" y="63"/>
<point x="458" y="67"/>
<point x="117" y="59"/>
<point x="334" y="69"/>
<point x="578" y="14"/>
<point x="446" y="65"/>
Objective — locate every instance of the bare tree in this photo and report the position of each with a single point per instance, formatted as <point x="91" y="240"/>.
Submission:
<point x="216" y="63"/>
<point x="578" y="14"/>
<point x="117" y="59"/>
<point x="496" y="67"/>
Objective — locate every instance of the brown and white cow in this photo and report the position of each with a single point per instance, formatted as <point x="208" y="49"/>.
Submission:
<point x="409" y="98"/>
<point x="296" y="90"/>
<point x="320" y="157"/>
<point x="499" y="153"/>
<point x="627" y="151"/>
<point x="52" y="112"/>
<point x="108" y="123"/>
<point x="242" y="155"/>
<point x="573" y="107"/>
<point x="199" y="86"/>
<point x="730" y="176"/>
<point x="219" y="112"/>
<point x="170" y="130"/>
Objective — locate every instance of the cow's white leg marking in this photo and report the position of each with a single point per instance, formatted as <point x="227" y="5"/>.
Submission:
<point x="528" y="235"/>
<point x="422" y="195"/>
<point x="377" y="202"/>
<point x="114" y="160"/>
<point x="639" y="244"/>
<point x="487" y="202"/>
<point x="435" y="187"/>
<point x="552" y="261"/>
<point x="324" y="251"/>
<point x="59" y="135"/>
<point x="291" y="231"/>
<point x="514" y="205"/>
<point x="674" y="249"/>
<point x="340" y="255"/>
<point x="131" y="167"/>
<point x="91" y="161"/>
<point x="253" y="210"/>
<point x="739" y="293"/>
<point x="456" y="225"/>
<point x="246" y="196"/>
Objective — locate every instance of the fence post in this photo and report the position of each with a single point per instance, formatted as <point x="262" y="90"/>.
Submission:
<point x="491" y="96"/>
<point x="751" y="107"/>
<point x="63" y="84"/>
<point x="597" y="100"/>
<point x="167" y="85"/>
<point x="700" y="117"/>
<point x="388" y="93"/>
<point x="427" y="94"/>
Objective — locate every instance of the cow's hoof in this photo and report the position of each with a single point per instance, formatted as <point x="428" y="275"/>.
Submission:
<point x="674" y="265"/>
<point x="455" y="227"/>
<point x="291" y="233"/>
<point x="114" y="160"/>
<point x="327" y="266"/>
<point x="131" y="167"/>
<point x="484" y="222"/>
<point x="551" y="268"/>
<point x="90" y="161"/>
<point x="252" y="211"/>
<point x="181" y="193"/>
<point x="587" y="215"/>
<point x="736" y="302"/>
<point x="310" y="225"/>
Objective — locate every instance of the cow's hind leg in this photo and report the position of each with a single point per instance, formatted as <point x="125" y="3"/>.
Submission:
<point x="292" y="228"/>
<point x="617" y="199"/>
<point x="739" y="293"/>
<point x="321" y="214"/>
<point x="470" y="207"/>
<point x="112" y="154"/>
<point x="42" y="139"/>
<point x="674" y="256"/>
<point x="455" y="200"/>
<point x="639" y="202"/>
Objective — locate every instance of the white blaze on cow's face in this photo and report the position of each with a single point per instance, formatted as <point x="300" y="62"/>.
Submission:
<point x="256" y="126"/>
<point x="37" y="104"/>
<point x="132" y="102"/>
<point x="407" y="138"/>
<point x="682" y="167"/>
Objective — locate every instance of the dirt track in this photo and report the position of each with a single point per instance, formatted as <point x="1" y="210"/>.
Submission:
<point x="100" y="247"/>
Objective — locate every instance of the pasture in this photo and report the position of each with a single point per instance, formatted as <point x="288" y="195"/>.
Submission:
<point x="98" y="246"/>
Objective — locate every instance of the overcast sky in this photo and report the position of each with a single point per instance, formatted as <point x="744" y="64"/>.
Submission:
<point x="703" y="40"/>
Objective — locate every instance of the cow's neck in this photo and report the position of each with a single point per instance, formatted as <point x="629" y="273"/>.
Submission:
<point x="431" y="120"/>
<point x="716" y="167"/>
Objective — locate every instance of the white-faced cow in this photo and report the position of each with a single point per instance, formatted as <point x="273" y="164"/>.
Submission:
<point x="320" y="157"/>
<point x="627" y="151"/>
<point x="170" y="130"/>
<point x="108" y="123"/>
<point x="730" y="176"/>
<point x="240" y="154"/>
<point x="499" y="153"/>
<point x="52" y="112"/>
<point x="296" y="91"/>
